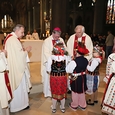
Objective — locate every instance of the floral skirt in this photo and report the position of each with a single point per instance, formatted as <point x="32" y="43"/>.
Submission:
<point x="58" y="85"/>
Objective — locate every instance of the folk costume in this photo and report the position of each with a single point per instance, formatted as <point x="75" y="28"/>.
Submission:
<point x="19" y="75"/>
<point x="93" y="71"/>
<point x="108" y="102"/>
<point x="47" y="48"/>
<point x="5" y="89"/>
<point x="93" y="74"/>
<point x="77" y="68"/>
<point x="73" y="43"/>
<point x="58" y="78"/>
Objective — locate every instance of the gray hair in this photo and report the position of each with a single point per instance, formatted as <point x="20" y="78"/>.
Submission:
<point x="80" y="26"/>
<point x="18" y="26"/>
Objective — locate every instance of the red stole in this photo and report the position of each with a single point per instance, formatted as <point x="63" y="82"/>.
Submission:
<point x="7" y="83"/>
<point x="6" y="78"/>
<point x="76" y="43"/>
<point x="9" y="35"/>
<point x="53" y="42"/>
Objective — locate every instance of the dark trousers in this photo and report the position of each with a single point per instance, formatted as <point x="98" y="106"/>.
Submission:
<point x="108" y="50"/>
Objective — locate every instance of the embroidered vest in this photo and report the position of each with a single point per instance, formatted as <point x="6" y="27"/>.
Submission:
<point x="95" y="72"/>
<point x="58" y="68"/>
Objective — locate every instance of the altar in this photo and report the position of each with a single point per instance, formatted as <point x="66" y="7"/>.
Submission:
<point x="35" y="53"/>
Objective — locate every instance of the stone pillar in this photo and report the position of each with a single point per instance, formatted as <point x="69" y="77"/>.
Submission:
<point x="99" y="16"/>
<point x="36" y="15"/>
<point x="29" y="14"/>
<point x="59" y="11"/>
<point x="34" y="21"/>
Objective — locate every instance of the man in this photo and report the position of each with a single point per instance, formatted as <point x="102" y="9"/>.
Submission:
<point x="109" y="44"/>
<point x="79" y="36"/>
<point x="28" y="36"/>
<point x="5" y="89"/>
<point x="46" y="53"/>
<point x="18" y="69"/>
<point x="35" y="35"/>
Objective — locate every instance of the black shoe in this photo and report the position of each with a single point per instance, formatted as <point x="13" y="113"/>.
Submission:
<point x="26" y="108"/>
<point x="74" y="109"/>
<point x="82" y="108"/>
<point x="69" y="91"/>
<point x="89" y="103"/>
<point x="95" y="101"/>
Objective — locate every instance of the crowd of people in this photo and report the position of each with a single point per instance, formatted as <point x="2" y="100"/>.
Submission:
<point x="73" y="65"/>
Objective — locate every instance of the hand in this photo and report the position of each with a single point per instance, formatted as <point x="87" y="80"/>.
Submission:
<point x="28" y="49"/>
<point x="72" y="57"/>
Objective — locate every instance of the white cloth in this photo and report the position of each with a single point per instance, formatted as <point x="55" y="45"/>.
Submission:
<point x="4" y="94"/>
<point x="19" y="75"/>
<point x="29" y="37"/>
<point x="109" y="99"/>
<point x="35" y="36"/>
<point x="3" y="89"/>
<point x="71" y="66"/>
<point x="93" y="63"/>
<point x="4" y="111"/>
<point x="109" y="67"/>
<point x="20" y="100"/>
<point x="47" y="48"/>
<point x="88" y="43"/>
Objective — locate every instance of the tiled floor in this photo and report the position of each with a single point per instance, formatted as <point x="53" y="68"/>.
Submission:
<point x="41" y="106"/>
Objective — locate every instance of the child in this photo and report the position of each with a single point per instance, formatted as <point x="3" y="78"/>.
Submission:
<point x="58" y="79"/>
<point x="93" y="75"/>
<point x="77" y="68"/>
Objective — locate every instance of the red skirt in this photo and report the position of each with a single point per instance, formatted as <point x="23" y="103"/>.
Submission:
<point x="58" y="85"/>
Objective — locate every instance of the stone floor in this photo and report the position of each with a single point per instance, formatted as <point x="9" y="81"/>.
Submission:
<point x="41" y="106"/>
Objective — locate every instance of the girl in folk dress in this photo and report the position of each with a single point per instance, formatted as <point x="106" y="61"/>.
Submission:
<point x="93" y="75"/>
<point x="58" y="79"/>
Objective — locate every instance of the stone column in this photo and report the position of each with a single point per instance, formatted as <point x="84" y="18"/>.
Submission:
<point x="59" y="11"/>
<point x="99" y="16"/>
<point x="29" y="21"/>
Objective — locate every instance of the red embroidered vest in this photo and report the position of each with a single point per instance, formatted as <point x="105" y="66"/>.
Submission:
<point x="76" y="43"/>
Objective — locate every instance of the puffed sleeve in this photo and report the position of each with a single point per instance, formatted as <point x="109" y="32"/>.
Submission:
<point x="70" y="67"/>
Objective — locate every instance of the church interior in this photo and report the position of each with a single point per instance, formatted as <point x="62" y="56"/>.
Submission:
<point x="97" y="16"/>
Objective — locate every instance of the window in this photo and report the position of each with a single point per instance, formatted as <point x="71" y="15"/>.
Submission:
<point x="110" y="14"/>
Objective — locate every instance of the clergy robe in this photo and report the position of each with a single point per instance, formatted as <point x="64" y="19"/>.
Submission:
<point x="4" y="93"/>
<point x="88" y="43"/>
<point x="47" y="48"/>
<point x="18" y="75"/>
<point x="35" y="36"/>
